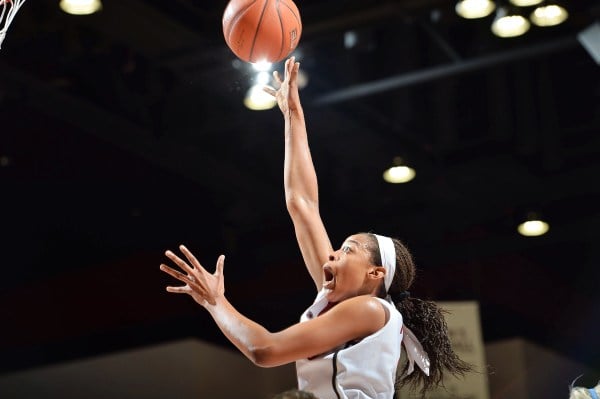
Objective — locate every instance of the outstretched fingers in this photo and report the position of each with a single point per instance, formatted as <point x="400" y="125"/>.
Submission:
<point x="278" y="82"/>
<point x="185" y="289"/>
<point x="201" y="285"/>
<point x="220" y="265"/>
<point x="179" y="290"/>
<point x="179" y="262"/>
<point x="295" y="69"/>
<point x="277" y="78"/>
<point x="290" y="70"/>
<point x="270" y="90"/>
<point x="190" y="257"/>
<point x="176" y="274"/>
<point x="289" y="67"/>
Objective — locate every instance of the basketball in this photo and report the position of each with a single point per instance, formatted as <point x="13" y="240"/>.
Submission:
<point x="262" y="30"/>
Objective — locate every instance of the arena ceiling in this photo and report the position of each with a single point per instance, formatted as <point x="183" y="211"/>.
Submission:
<point x="124" y="133"/>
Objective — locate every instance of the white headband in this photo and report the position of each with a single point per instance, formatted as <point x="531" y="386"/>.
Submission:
<point x="414" y="350"/>
<point x="388" y="259"/>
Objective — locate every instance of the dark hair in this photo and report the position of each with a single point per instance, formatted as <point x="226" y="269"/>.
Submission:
<point x="295" y="394"/>
<point x="424" y="318"/>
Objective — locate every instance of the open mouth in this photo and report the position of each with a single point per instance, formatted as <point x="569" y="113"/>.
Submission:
<point x="329" y="277"/>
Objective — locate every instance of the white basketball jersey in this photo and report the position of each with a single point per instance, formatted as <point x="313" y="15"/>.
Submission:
<point x="364" y="370"/>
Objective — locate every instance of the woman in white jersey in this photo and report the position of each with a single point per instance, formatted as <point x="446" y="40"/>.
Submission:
<point x="347" y="344"/>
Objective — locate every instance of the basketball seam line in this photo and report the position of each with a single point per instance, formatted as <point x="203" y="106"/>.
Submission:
<point x="257" y="28"/>
<point x="234" y="20"/>
<point x="292" y="11"/>
<point x="282" y="32"/>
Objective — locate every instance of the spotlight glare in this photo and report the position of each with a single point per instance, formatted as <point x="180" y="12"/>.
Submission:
<point x="80" y="7"/>
<point x="350" y="39"/>
<point x="399" y="174"/>
<point x="472" y="9"/>
<point x="258" y="100"/>
<point x="549" y="15"/>
<point x="262" y="66"/>
<point x="510" y="26"/>
<point x="533" y="228"/>
<point x="302" y="79"/>
<point x="526" y="3"/>
<point x="263" y="78"/>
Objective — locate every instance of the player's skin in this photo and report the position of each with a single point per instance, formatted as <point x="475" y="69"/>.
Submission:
<point x="351" y="280"/>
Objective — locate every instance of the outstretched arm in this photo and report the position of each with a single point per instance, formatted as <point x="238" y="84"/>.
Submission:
<point x="300" y="179"/>
<point x="351" y="319"/>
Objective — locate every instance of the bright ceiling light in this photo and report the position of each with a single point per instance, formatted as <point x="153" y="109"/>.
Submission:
<point x="549" y="15"/>
<point x="263" y="78"/>
<point x="80" y="7"/>
<point x="259" y="100"/>
<point x="399" y="172"/>
<point x="471" y="9"/>
<point x="262" y="66"/>
<point x="509" y="25"/>
<point x="533" y="228"/>
<point x="526" y="3"/>
<point x="350" y="39"/>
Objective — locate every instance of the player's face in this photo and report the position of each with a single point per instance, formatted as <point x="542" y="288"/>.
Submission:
<point x="346" y="271"/>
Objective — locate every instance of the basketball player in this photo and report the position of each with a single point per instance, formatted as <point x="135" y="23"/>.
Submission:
<point x="584" y="393"/>
<point x="347" y="343"/>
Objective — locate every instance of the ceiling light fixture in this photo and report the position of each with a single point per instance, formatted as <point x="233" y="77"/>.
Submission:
<point x="263" y="78"/>
<point x="80" y="7"/>
<point x="262" y="66"/>
<point x="471" y="9"/>
<point x="549" y="14"/>
<point x="509" y="23"/>
<point x="399" y="172"/>
<point x="533" y="226"/>
<point x="526" y="3"/>
<point x="259" y="100"/>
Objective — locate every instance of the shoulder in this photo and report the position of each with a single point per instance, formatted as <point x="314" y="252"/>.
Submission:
<point x="365" y="308"/>
<point x="364" y="302"/>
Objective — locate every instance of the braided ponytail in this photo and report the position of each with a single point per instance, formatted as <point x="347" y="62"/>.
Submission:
<point x="426" y="320"/>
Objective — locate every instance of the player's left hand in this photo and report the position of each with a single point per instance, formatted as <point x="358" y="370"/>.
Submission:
<point x="201" y="285"/>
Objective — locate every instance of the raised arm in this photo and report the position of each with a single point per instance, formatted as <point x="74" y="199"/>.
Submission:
<point x="300" y="179"/>
<point x="351" y="319"/>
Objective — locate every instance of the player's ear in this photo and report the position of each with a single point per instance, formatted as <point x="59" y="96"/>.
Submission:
<point x="377" y="272"/>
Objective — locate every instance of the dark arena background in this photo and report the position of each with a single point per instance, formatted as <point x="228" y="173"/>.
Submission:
<point x="124" y="133"/>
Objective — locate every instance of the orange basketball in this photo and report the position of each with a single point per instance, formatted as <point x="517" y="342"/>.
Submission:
<point x="262" y="30"/>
